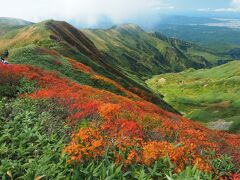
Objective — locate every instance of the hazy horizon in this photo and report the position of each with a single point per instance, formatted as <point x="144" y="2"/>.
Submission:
<point x="97" y="13"/>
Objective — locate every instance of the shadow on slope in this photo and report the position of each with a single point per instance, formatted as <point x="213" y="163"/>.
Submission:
<point x="69" y="42"/>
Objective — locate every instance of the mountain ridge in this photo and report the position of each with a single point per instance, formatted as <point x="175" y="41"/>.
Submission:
<point x="138" y="55"/>
<point x="159" y="53"/>
<point x="69" y="42"/>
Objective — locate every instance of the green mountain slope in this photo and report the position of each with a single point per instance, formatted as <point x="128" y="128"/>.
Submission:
<point x="8" y="24"/>
<point x="208" y="95"/>
<point x="143" y="54"/>
<point x="50" y="44"/>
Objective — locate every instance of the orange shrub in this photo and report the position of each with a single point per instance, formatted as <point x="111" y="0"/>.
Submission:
<point x="143" y="130"/>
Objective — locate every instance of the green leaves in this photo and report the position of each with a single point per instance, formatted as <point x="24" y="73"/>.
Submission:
<point x="32" y="137"/>
<point x="26" y="86"/>
<point x="25" y="149"/>
<point x="101" y="169"/>
<point x="223" y="166"/>
<point x="190" y="173"/>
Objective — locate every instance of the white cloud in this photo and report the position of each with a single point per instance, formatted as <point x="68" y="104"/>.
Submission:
<point x="236" y="4"/>
<point x="226" y="10"/>
<point x="234" y="7"/>
<point x="205" y="9"/>
<point x="219" y="10"/>
<point x="86" y="11"/>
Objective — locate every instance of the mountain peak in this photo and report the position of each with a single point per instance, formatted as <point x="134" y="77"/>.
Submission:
<point x="7" y="21"/>
<point x="128" y="27"/>
<point x="7" y="24"/>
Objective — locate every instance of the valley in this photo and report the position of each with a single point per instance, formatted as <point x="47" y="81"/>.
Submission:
<point x="207" y="95"/>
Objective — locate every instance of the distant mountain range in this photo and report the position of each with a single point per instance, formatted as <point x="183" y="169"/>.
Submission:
<point x="218" y="34"/>
<point x="8" y="24"/>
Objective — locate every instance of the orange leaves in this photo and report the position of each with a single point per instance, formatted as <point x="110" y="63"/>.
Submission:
<point x="88" y="110"/>
<point x="203" y="166"/>
<point x="181" y="156"/>
<point x="120" y="134"/>
<point x="90" y="143"/>
<point x="236" y="176"/>
<point x="133" y="157"/>
<point x="151" y="152"/>
<point x="87" y="143"/>
<point x="108" y="110"/>
<point x="80" y="66"/>
<point x="139" y="128"/>
<point x="107" y="81"/>
<point x="95" y="77"/>
<point x="123" y="135"/>
<point x="123" y="128"/>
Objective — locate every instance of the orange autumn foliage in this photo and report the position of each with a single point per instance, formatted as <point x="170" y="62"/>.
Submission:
<point x="108" y="110"/>
<point x="96" y="77"/>
<point x="136" y="126"/>
<point x="80" y="66"/>
<point x="90" y="144"/>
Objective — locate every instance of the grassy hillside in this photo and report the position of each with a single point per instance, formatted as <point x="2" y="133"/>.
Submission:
<point x="143" y="55"/>
<point x="195" y="53"/>
<point x="208" y="95"/>
<point x="32" y="45"/>
<point x="54" y="128"/>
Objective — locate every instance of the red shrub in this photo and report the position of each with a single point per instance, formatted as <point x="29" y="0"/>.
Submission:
<point x="125" y="124"/>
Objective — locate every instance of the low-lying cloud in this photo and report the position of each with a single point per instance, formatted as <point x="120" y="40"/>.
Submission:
<point x="85" y="11"/>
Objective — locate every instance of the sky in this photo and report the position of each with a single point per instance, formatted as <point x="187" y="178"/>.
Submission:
<point x="91" y="12"/>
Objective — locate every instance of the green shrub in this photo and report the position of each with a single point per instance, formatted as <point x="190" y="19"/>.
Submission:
<point x="11" y="87"/>
<point x="223" y="166"/>
<point x="31" y="141"/>
<point x="190" y="173"/>
<point x="235" y="127"/>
